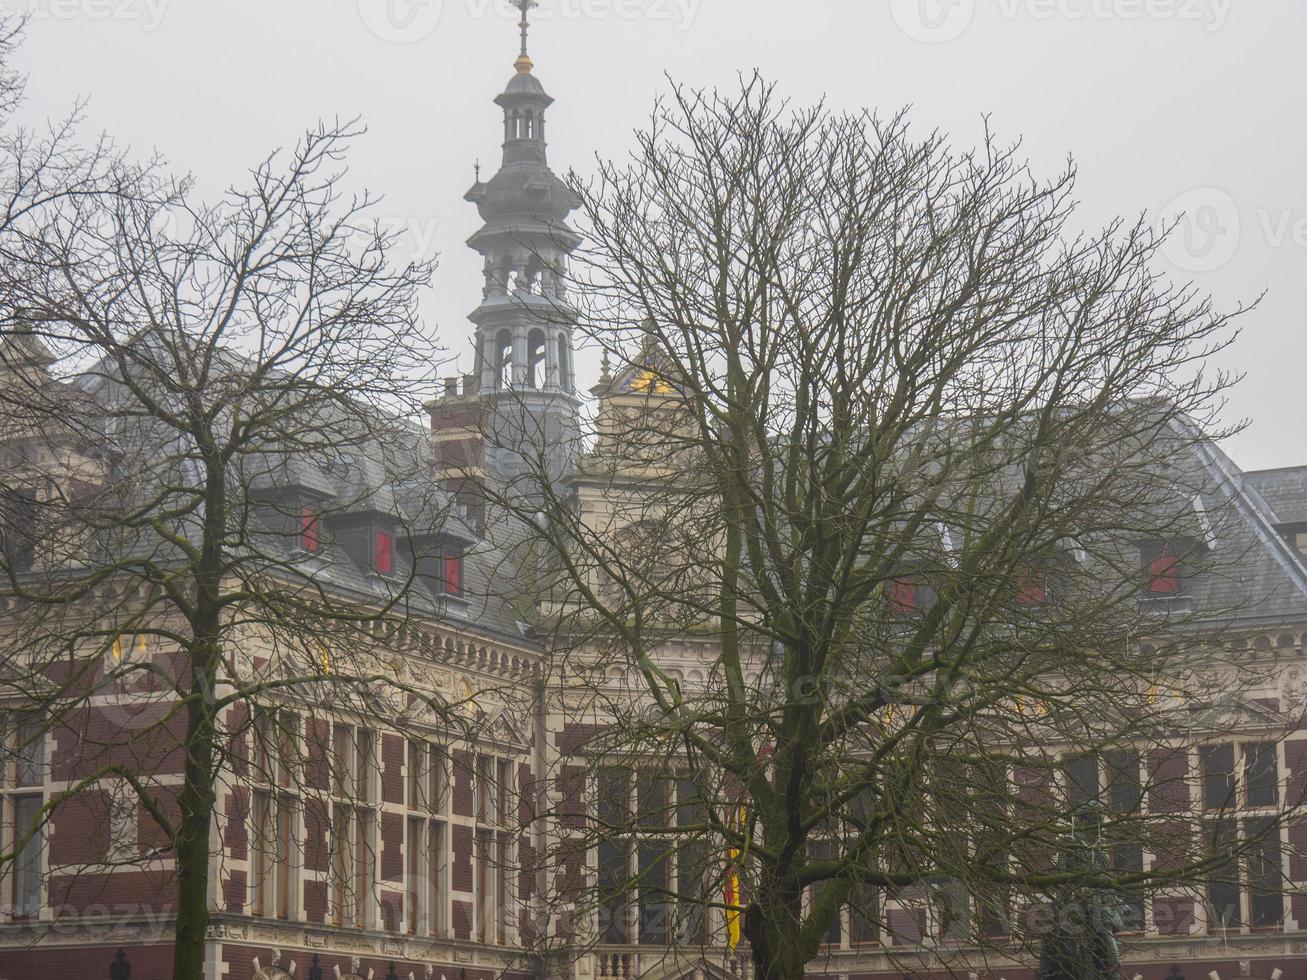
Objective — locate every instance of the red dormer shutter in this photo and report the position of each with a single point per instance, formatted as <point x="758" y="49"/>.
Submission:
<point x="903" y="596"/>
<point x="1165" y="574"/>
<point x="1032" y="586"/>
<point x="454" y="575"/>
<point x="383" y="560"/>
<point x="309" y="531"/>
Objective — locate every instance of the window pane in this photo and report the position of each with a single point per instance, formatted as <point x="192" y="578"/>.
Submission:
<point x="1125" y="790"/>
<point x="27" y="864"/>
<point x="1261" y="773"/>
<point x="864" y="914"/>
<point x="30" y="751"/>
<point x="653" y="893"/>
<point x="1082" y="781"/>
<point x="691" y="864"/>
<point x="651" y="796"/>
<point x="415" y="872"/>
<point x="1265" y="873"/>
<point x="436" y="879"/>
<point x="1223" y="883"/>
<point x="614" y="797"/>
<point x="1218" y="776"/>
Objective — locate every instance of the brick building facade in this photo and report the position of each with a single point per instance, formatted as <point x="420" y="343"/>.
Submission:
<point x="412" y="855"/>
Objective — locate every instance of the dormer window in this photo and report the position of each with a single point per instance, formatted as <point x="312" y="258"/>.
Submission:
<point x="383" y="553"/>
<point x="309" y="540"/>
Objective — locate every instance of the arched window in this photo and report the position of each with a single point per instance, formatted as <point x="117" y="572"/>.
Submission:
<point x="535" y="363"/>
<point x="505" y="274"/>
<point x="534" y="268"/>
<point x="504" y="359"/>
<point x="564" y="364"/>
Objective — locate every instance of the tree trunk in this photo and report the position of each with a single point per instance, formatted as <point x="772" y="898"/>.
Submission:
<point x="777" y="943"/>
<point x="197" y="800"/>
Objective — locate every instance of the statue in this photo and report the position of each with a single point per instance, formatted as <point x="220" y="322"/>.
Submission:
<point x="1081" y="945"/>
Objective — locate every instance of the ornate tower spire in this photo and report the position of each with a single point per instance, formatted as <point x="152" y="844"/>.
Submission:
<point x="524" y="377"/>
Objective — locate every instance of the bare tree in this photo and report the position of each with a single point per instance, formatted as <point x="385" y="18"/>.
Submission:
<point x="218" y="514"/>
<point x="899" y="502"/>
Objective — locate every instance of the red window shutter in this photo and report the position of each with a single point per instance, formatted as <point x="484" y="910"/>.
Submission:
<point x="1032" y="586"/>
<point x="1165" y="574"/>
<point x="384" y="554"/>
<point x="454" y="575"/>
<point x="309" y="531"/>
<point x="903" y="595"/>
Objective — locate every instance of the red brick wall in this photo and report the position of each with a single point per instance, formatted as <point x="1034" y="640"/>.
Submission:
<point x="392" y="846"/>
<point x="392" y="769"/>
<point x="462" y="768"/>
<point x="80" y="829"/>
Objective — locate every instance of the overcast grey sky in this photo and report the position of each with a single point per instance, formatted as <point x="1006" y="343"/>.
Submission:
<point x="1166" y="105"/>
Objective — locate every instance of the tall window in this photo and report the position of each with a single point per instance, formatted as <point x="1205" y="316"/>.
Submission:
<point x="492" y="860"/>
<point x="654" y="891"/>
<point x="613" y="855"/>
<point x="1241" y="793"/>
<point x="692" y="877"/>
<point x="19" y="528"/>
<point x="428" y="837"/>
<point x="274" y="814"/>
<point x="354" y="820"/>
<point x="22" y="775"/>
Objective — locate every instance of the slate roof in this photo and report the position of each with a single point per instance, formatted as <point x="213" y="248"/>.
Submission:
<point x="359" y="480"/>
<point x="1284" y="491"/>
<point x="1265" y="579"/>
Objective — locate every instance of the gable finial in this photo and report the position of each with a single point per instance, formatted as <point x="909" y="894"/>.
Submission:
<point x="523" y="63"/>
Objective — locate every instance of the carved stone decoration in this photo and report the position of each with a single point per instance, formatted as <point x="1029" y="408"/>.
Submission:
<point x="272" y="973"/>
<point x="124" y="828"/>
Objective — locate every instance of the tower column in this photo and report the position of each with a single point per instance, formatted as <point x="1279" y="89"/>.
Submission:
<point x="519" y="357"/>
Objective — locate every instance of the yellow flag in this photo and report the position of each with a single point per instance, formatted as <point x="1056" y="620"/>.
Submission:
<point x="731" y="887"/>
